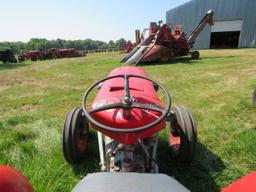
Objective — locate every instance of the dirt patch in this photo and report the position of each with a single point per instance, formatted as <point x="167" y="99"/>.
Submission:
<point x="27" y="107"/>
<point x="212" y="74"/>
<point x="36" y="82"/>
<point x="6" y="81"/>
<point x="9" y="80"/>
<point x="231" y="81"/>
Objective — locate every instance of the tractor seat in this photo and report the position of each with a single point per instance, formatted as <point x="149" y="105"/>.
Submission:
<point x="128" y="182"/>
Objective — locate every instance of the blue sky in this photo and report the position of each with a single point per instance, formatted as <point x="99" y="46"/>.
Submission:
<point x="79" y="19"/>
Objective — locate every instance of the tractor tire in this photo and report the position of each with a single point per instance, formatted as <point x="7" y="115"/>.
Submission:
<point x="14" y="60"/>
<point x="4" y="60"/>
<point x="183" y="135"/>
<point x="21" y="58"/>
<point x="195" y="55"/>
<point x="75" y="136"/>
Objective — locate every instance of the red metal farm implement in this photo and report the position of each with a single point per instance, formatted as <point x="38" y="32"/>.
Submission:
<point x="164" y="44"/>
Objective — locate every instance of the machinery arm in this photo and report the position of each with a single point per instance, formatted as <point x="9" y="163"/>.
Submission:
<point x="208" y="18"/>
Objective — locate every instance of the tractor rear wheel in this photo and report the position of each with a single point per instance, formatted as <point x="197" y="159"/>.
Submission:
<point x="183" y="135"/>
<point x="195" y="55"/>
<point x="4" y="60"/>
<point x="75" y="136"/>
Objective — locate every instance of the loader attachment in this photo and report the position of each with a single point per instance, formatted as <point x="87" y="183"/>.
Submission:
<point x="137" y="56"/>
<point x="139" y="51"/>
<point x="208" y="18"/>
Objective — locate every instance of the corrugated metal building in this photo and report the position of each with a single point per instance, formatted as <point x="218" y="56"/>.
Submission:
<point x="235" y="22"/>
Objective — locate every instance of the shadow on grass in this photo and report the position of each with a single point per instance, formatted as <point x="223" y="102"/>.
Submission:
<point x="4" y="66"/>
<point x="178" y="60"/>
<point x="219" y="57"/>
<point x="184" y="60"/>
<point x="196" y="177"/>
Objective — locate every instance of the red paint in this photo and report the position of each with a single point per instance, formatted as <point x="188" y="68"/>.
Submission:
<point x="143" y="92"/>
<point x="13" y="181"/>
<point x="245" y="184"/>
<point x="174" y="140"/>
<point x="174" y="143"/>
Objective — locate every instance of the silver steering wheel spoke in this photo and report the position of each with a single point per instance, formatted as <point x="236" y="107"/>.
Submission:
<point x="147" y="107"/>
<point x="106" y="107"/>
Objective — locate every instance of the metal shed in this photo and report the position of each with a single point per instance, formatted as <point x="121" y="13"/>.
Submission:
<point x="235" y="22"/>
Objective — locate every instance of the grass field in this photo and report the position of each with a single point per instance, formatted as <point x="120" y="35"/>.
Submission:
<point x="34" y="98"/>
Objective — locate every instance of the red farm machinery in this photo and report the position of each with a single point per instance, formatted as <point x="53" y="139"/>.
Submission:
<point x="164" y="44"/>
<point x="68" y="53"/>
<point x="52" y="53"/>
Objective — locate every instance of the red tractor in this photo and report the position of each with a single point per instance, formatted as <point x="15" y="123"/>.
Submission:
<point x="128" y="115"/>
<point x="164" y="44"/>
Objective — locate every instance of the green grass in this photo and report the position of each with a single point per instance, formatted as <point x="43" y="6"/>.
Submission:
<point x="34" y="98"/>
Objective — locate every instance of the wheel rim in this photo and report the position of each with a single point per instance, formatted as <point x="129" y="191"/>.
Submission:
<point x="175" y="140"/>
<point x="82" y="140"/>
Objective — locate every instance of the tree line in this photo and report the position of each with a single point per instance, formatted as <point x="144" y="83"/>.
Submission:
<point x="44" y="44"/>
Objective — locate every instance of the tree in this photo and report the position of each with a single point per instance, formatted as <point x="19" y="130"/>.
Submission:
<point x="111" y="44"/>
<point x="120" y="43"/>
<point x="44" y="44"/>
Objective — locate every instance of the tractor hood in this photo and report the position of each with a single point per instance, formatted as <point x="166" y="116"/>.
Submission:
<point x="142" y="91"/>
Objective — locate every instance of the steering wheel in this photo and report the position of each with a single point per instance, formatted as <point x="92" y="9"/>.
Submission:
<point x="126" y="102"/>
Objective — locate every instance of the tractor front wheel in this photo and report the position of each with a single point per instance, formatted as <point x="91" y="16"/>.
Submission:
<point x="75" y="136"/>
<point x="183" y="135"/>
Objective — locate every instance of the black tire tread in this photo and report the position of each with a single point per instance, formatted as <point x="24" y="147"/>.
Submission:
<point x="188" y="134"/>
<point x="66" y="133"/>
<point x="71" y="153"/>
